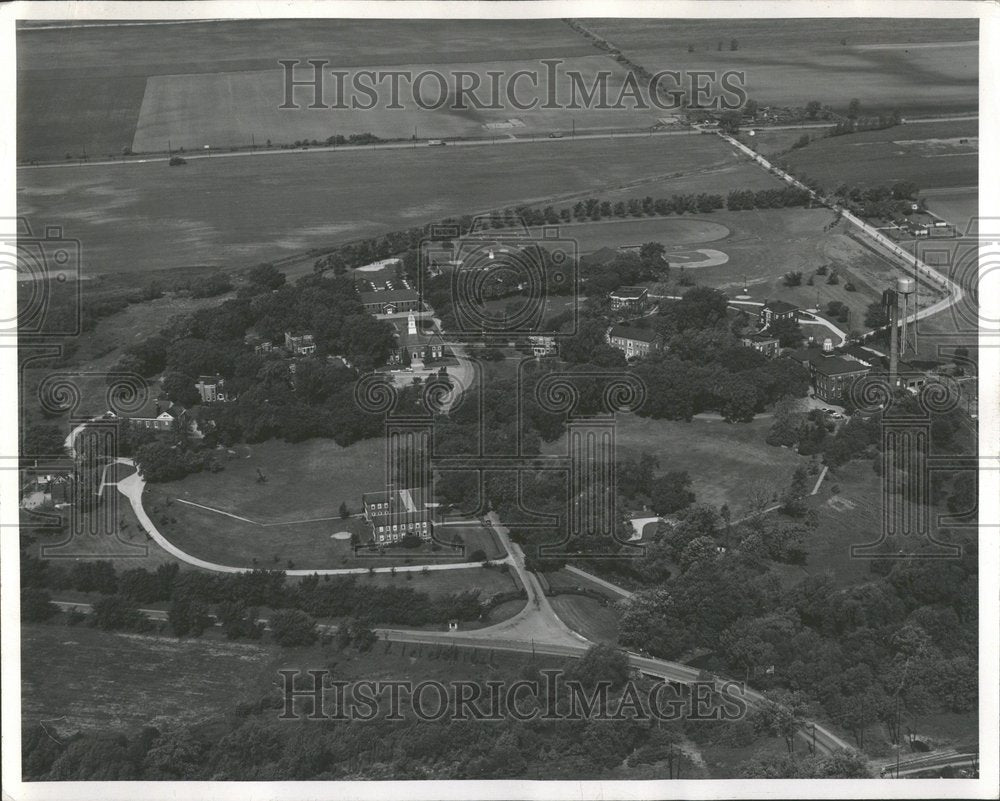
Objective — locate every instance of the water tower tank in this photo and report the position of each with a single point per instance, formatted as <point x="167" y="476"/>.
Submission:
<point x="906" y="286"/>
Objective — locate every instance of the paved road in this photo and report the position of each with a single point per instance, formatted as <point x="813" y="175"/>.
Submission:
<point x="908" y="260"/>
<point x="498" y="140"/>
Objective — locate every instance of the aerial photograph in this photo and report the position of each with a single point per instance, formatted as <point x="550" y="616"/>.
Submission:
<point x="532" y="399"/>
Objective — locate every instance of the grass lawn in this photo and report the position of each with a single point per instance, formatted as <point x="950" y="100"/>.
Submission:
<point x="305" y="480"/>
<point x="294" y="515"/>
<point x="445" y="582"/>
<point x="724" y="460"/>
<point x="587" y="616"/>
<point x="126" y="547"/>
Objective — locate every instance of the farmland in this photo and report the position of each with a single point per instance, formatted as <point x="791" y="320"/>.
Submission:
<point x="931" y="155"/>
<point x="75" y="675"/>
<point x="235" y="212"/>
<point x="886" y="64"/>
<point x="98" y="78"/>
<point x="226" y="108"/>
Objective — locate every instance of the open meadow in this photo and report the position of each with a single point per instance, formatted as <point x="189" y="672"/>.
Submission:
<point x="241" y="211"/>
<point x="726" y="461"/>
<point x="912" y="65"/>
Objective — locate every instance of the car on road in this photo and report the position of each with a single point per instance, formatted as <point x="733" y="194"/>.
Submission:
<point x="838" y="416"/>
<point x="436" y="143"/>
<point x="556" y="135"/>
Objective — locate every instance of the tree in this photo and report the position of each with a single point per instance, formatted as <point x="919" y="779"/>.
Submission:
<point x="292" y="627"/>
<point x="601" y="662"/>
<point x="854" y="109"/>
<point x="876" y="315"/>
<point x="788" y="332"/>
<point x="671" y="492"/>
<point x="265" y="277"/>
<point x="698" y="550"/>
<point x="36" y="605"/>
<point x="180" y="388"/>
<point x="116" y="613"/>
<point x="344" y="511"/>
<point x="812" y="109"/>
<point x="188" y="614"/>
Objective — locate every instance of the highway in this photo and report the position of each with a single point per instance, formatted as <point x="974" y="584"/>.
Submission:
<point x="505" y="139"/>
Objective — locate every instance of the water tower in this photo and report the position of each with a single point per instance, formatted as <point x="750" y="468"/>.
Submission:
<point x="906" y="288"/>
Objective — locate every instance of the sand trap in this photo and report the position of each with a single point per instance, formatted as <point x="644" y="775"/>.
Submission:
<point x="341" y="535"/>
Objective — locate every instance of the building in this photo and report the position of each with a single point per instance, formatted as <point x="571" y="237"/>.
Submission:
<point x="833" y="377"/>
<point x="158" y="415"/>
<point x="300" y="344"/>
<point x="762" y="342"/>
<point x="633" y="342"/>
<point x="629" y="299"/>
<point x="391" y="301"/>
<point x="776" y="310"/>
<point x="543" y="345"/>
<point x="395" y="513"/>
<point x="211" y="388"/>
<point x="422" y="344"/>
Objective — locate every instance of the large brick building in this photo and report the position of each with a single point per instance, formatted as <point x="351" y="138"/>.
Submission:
<point x="391" y="301"/>
<point x="633" y="342"/>
<point x="395" y="513"/>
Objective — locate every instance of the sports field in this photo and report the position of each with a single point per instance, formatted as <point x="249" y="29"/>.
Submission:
<point x="919" y="66"/>
<point x="240" y="211"/>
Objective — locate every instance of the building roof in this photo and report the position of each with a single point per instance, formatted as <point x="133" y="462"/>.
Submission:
<point x="210" y="379"/>
<point x="629" y="292"/>
<point x="760" y="336"/>
<point x="402" y="502"/>
<point x="422" y="336"/>
<point x="835" y="365"/>
<point x="637" y="334"/>
<point x="390" y="296"/>
<point x="780" y="306"/>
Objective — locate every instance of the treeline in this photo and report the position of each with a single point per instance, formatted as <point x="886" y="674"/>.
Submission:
<point x="849" y="654"/>
<point x="230" y="598"/>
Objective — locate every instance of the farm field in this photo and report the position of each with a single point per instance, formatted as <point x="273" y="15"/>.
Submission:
<point x="75" y="675"/>
<point x="238" y="212"/>
<point x="886" y="64"/>
<point x="225" y="108"/>
<point x="931" y="155"/>
<point x="725" y="461"/>
<point x="97" y="78"/>
<point x="76" y="672"/>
